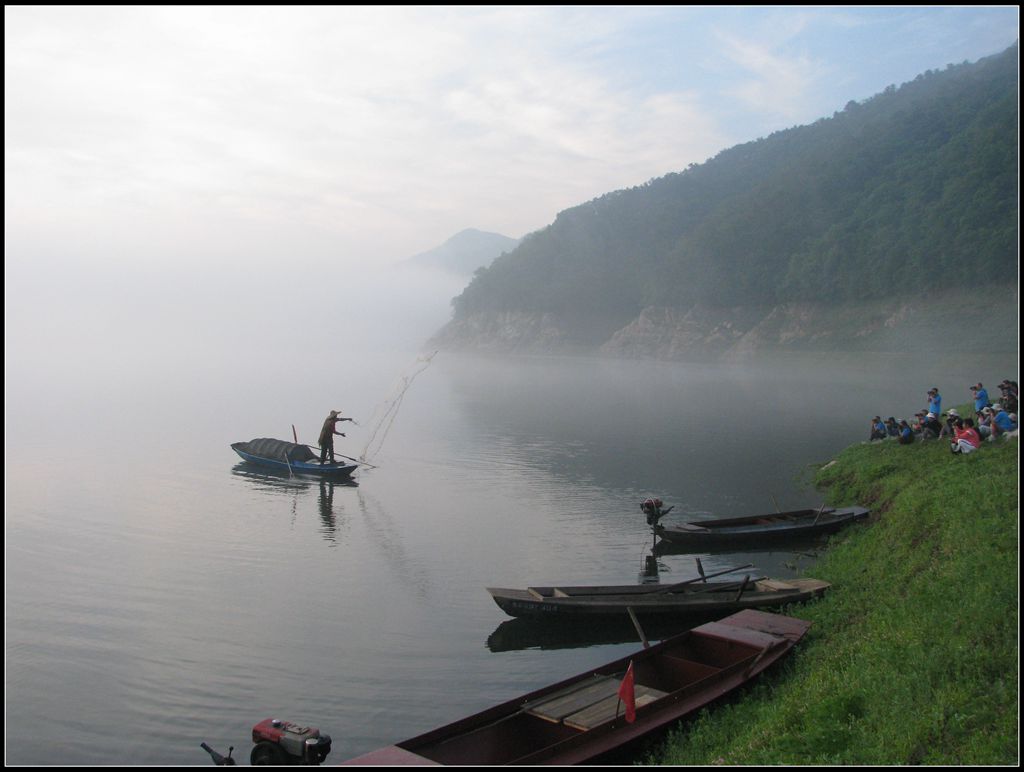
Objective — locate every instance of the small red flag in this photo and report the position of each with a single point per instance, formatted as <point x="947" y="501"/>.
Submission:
<point x="627" y="694"/>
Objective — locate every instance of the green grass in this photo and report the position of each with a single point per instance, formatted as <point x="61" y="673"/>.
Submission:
<point x="913" y="653"/>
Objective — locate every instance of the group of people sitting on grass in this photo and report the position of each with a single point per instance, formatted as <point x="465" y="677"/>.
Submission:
<point x="964" y="433"/>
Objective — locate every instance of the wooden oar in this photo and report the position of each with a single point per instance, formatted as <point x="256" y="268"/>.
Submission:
<point x="820" y="511"/>
<point x="728" y="586"/>
<point x="637" y="627"/>
<point x="701" y="578"/>
<point x="349" y="458"/>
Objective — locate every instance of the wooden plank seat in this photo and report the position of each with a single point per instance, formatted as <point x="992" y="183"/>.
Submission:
<point x="775" y="584"/>
<point x="555" y="707"/>
<point x="553" y="592"/>
<point x="591" y="703"/>
<point x="609" y="708"/>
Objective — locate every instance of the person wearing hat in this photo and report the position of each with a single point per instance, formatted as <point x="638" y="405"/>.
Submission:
<point x="1001" y="418"/>
<point x="326" y="440"/>
<point x="1009" y="399"/>
<point x="918" y="425"/>
<point x="949" y="428"/>
<point x="931" y="429"/>
<point x="986" y="426"/>
<point x="935" y="401"/>
<point x="980" y="397"/>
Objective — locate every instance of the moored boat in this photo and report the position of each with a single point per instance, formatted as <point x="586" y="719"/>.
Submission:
<point x="290" y="458"/>
<point x="759" y="529"/>
<point x="647" y="600"/>
<point x="583" y="718"/>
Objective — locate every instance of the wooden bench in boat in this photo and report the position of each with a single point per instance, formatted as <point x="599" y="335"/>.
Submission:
<point x="589" y="704"/>
<point x="775" y="584"/>
<point x="555" y="593"/>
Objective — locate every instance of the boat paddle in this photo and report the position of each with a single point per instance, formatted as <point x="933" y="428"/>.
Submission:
<point x="820" y="511"/>
<point x="348" y="458"/>
<point x="673" y="587"/>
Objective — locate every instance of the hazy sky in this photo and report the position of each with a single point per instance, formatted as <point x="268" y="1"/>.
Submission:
<point x="369" y="133"/>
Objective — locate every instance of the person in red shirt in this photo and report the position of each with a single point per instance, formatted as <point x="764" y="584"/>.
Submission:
<point x="966" y="437"/>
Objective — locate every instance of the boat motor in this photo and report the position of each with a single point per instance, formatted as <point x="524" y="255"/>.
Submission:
<point x="653" y="511"/>
<point x="281" y="743"/>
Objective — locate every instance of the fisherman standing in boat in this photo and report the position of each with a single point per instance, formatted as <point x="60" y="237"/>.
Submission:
<point x="326" y="441"/>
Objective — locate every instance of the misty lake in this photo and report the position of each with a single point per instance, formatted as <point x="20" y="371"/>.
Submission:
<point x="161" y="594"/>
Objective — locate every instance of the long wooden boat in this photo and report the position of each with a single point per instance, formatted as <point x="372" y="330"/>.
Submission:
<point x="757" y="529"/>
<point x="581" y="719"/>
<point x="645" y="600"/>
<point x="290" y="458"/>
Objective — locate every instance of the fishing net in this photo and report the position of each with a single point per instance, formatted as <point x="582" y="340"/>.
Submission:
<point x="384" y="415"/>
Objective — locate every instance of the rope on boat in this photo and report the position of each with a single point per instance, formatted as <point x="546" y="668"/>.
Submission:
<point x="390" y="409"/>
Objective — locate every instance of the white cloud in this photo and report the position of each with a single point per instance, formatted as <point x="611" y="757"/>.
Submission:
<point x="347" y="119"/>
<point x="373" y="131"/>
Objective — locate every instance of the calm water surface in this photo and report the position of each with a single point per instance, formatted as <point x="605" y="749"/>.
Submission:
<point x="160" y="594"/>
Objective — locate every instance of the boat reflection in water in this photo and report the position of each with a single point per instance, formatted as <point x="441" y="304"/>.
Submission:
<point x="526" y="633"/>
<point x="581" y="719"/>
<point x="272" y="482"/>
<point x="806" y="546"/>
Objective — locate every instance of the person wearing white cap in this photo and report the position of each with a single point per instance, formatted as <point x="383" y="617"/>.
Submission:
<point x="931" y="429"/>
<point x="327" y="433"/>
<point x="1001" y="419"/>
<point x="948" y="429"/>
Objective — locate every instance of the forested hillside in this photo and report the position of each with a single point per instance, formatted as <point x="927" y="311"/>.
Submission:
<point x="911" y="191"/>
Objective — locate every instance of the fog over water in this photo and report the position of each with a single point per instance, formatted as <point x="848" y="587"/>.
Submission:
<point x="160" y="594"/>
<point x="204" y="208"/>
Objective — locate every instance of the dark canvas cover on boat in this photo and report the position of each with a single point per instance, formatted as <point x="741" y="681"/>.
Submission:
<point x="276" y="449"/>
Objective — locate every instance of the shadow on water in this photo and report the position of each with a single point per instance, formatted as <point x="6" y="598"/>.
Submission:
<point x="575" y="632"/>
<point x="274" y="481"/>
<point x="271" y="482"/>
<point x="792" y="548"/>
<point x="523" y="633"/>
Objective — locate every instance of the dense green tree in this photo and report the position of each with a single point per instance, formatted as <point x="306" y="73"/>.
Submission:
<point x="912" y="190"/>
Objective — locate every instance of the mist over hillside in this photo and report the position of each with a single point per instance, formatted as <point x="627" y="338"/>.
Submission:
<point x="908" y="195"/>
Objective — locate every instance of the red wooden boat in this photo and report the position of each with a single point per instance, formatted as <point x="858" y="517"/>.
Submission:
<point x="582" y="718"/>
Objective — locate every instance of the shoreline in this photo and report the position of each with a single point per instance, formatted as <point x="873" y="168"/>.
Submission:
<point x="913" y="654"/>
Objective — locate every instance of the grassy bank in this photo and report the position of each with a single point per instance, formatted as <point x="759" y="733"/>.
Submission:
<point x="913" y="656"/>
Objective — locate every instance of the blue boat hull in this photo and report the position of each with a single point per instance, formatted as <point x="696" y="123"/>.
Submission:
<point x="283" y="464"/>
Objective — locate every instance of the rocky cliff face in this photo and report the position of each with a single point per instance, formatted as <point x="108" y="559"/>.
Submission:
<point x="976" y="319"/>
<point x="504" y="332"/>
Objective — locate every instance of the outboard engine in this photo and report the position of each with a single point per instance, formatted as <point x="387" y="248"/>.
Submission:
<point x="653" y="512"/>
<point x="281" y="742"/>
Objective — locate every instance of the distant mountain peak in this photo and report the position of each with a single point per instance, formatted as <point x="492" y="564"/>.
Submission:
<point x="465" y="252"/>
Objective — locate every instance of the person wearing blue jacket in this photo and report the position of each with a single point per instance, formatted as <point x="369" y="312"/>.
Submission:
<point x="935" y="401"/>
<point x="980" y="398"/>
<point x="1002" y="419"/>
